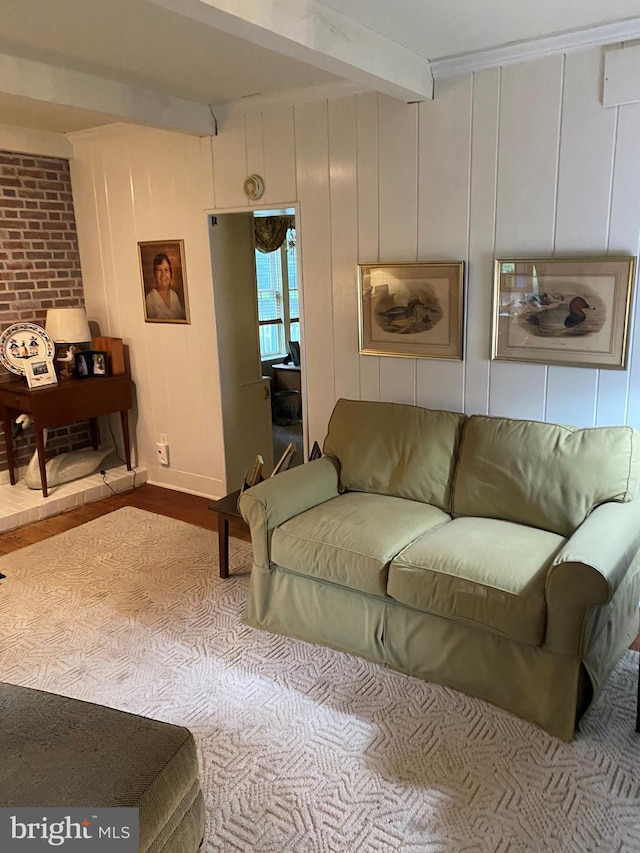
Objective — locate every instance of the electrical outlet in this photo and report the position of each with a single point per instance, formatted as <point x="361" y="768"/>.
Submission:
<point x="163" y="452"/>
<point x="163" y="439"/>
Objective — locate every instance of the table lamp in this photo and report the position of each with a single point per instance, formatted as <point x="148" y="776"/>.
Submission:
<point x="67" y="326"/>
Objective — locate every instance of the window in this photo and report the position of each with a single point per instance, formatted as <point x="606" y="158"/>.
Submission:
<point x="277" y="285"/>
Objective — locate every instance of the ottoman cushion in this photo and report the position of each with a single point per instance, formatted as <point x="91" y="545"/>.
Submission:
<point x="62" y="752"/>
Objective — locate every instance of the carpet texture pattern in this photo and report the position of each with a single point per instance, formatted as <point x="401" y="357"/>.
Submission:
<point x="304" y="749"/>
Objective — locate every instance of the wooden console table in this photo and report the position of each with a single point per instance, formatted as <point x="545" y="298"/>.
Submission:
<point x="58" y="405"/>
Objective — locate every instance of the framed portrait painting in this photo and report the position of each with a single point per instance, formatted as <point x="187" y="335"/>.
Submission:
<point x="412" y="310"/>
<point x="567" y="311"/>
<point x="164" y="281"/>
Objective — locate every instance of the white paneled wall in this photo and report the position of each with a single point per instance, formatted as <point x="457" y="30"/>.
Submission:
<point x="130" y="185"/>
<point x="512" y="162"/>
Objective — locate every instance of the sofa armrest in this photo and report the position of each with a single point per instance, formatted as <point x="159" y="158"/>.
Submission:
<point x="272" y="502"/>
<point x="588" y="570"/>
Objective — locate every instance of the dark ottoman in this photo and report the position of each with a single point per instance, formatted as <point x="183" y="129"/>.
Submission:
<point x="56" y="751"/>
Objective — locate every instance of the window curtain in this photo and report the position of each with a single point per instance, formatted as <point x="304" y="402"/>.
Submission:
<point x="271" y="231"/>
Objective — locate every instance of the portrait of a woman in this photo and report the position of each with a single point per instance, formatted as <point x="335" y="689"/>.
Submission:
<point x="164" y="284"/>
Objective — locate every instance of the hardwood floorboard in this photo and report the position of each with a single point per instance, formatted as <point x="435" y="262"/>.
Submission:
<point x="189" y="508"/>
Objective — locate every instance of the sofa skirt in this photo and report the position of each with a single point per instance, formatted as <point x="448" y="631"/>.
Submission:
<point x="548" y="689"/>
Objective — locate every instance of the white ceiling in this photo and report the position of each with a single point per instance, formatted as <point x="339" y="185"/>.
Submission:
<point x="171" y="48"/>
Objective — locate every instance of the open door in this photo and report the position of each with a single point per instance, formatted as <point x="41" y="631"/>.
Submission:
<point x="246" y="403"/>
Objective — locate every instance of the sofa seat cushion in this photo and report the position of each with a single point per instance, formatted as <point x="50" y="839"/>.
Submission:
<point x="351" y="539"/>
<point x="483" y="571"/>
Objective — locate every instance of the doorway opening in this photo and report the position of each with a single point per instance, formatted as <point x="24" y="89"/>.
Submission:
<point x="279" y="327"/>
<point x="256" y="284"/>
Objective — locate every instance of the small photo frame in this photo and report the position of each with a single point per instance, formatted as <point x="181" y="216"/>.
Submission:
<point x="285" y="460"/>
<point x="40" y="372"/>
<point x="164" y="281"/>
<point x="316" y="453"/>
<point x="569" y="311"/>
<point x="91" y="363"/>
<point x="99" y="360"/>
<point x="412" y="310"/>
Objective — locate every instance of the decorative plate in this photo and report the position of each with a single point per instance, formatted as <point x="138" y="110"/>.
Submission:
<point x="21" y="342"/>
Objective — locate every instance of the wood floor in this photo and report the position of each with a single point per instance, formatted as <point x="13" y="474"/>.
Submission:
<point x="189" y="508"/>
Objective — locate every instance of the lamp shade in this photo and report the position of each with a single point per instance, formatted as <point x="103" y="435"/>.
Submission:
<point x="67" y="325"/>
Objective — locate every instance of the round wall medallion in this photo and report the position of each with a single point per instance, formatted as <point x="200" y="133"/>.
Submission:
<point x="254" y="187"/>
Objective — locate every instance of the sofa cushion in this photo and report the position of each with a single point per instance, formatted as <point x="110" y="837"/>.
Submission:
<point x="541" y="474"/>
<point x="395" y="449"/>
<point x="486" y="572"/>
<point x="350" y="540"/>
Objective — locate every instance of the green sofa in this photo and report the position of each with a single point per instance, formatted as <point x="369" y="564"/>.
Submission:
<point x="499" y="557"/>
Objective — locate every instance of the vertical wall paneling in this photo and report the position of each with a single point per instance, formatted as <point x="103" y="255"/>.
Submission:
<point x="230" y="162"/>
<point x="118" y="224"/>
<point x="584" y="188"/>
<point x="368" y="213"/>
<point x="165" y="344"/>
<point x="312" y="167"/>
<point x="344" y="244"/>
<point x="521" y="161"/>
<point x="255" y="143"/>
<point x="443" y="180"/>
<point x="530" y="101"/>
<point x="586" y="159"/>
<point x="204" y="166"/>
<point x="613" y="406"/>
<point x="517" y="390"/>
<point x="482" y="203"/>
<point x="571" y="395"/>
<point x="443" y="215"/>
<point x="138" y="184"/>
<point x="398" y="188"/>
<point x="90" y="237"/>
<point x="199" y="338"/>
<point x="279" y="155"/>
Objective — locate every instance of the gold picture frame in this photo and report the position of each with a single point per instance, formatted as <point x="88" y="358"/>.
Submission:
<point x="568" y="311"/>
<point x="412" y="310"/>
<point x="164" y="281"/>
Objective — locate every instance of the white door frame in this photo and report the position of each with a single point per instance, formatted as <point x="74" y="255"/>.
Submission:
<point x="294" y="205"/>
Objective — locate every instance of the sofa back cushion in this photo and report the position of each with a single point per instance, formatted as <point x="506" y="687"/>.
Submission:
<point x="544" y="475"/>
<point x="395" y="449"/>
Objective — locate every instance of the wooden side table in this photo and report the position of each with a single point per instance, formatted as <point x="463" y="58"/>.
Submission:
<point x="69" y="401"/>
<point x="227" y="510"/>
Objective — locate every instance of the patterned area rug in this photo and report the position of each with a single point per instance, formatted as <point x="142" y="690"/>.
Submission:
<point x="304" y="749"/>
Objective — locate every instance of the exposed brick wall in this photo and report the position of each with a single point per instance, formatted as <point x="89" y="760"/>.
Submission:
<point x="39" y="264"/>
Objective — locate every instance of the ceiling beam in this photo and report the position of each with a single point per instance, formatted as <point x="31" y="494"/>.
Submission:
<point x="312" y="32"/>
<point x="42" y="82"/>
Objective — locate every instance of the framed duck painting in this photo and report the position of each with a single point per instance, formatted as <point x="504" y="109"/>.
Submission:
<point x="412" y="310"/>
<point x="568" y="311"/>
